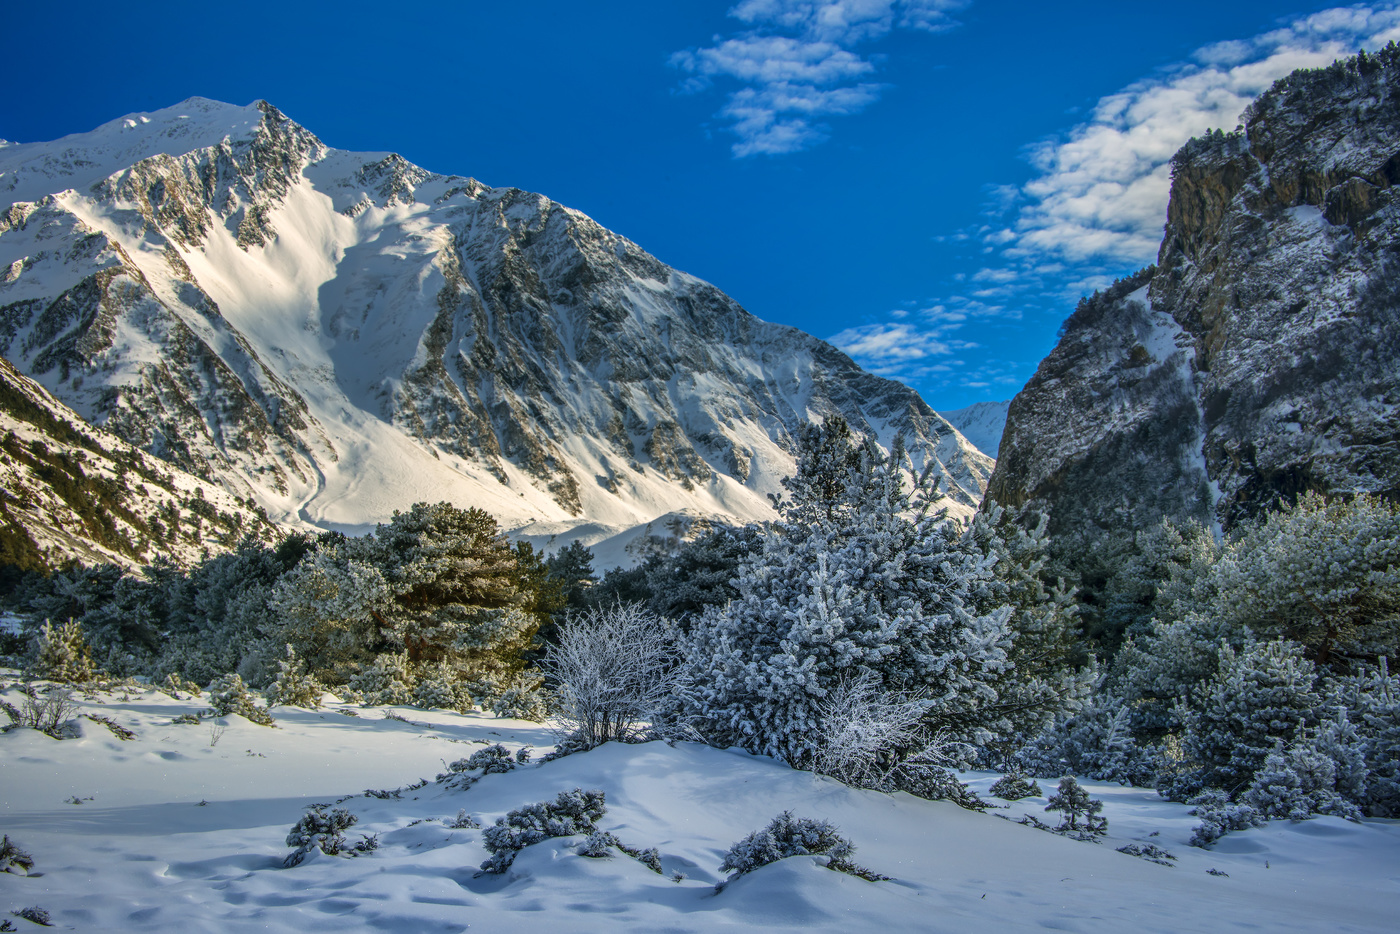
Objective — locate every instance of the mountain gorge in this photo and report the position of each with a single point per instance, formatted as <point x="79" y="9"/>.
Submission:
<point x="337" y="335"/>
<point x="1260" y="357"/>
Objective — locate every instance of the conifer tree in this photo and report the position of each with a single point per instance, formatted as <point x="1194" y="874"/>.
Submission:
<point x="861" y="577"/>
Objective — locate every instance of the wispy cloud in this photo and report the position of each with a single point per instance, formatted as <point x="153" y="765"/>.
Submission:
<point x="795" y="65"/>
<point x="1096" y="203"/>
<point x="1101" y="190"/>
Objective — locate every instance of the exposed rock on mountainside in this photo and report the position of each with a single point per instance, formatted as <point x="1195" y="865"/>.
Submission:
<point x="1261" y="356"/>
<point x="339" y="335"/>
<point x="69" y="492"/>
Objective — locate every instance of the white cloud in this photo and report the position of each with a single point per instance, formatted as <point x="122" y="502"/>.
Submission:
<point x="1102" y="189"/>
<point x="797" y="66"/>
<point x="892" y="348"/>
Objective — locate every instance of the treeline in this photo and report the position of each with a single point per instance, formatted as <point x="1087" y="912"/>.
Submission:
<point x="861" y="634"/>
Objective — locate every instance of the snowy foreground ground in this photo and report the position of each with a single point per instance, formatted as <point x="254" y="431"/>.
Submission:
<point x="182" y="830"/>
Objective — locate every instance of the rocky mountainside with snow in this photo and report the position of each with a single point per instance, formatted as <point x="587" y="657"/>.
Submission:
<point x="1261" y="356"/>
<point x="980" y="423"/>
<point x="70" y="492"/>
<point x="338" y="335"/>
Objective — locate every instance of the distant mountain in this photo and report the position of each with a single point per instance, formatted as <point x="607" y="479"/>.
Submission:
<point x="1261" y="356"/>
<point x="70" y="492"/>
<point x="981" y="423"/>
<point x="338" y="335"/>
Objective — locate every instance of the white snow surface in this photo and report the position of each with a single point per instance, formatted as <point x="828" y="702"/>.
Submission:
<point x="179" y="831"/>
<point x="981" y="423"/>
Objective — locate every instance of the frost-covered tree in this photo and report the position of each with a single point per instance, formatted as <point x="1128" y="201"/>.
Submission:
<point x="1369" y="702"/>
<point x="63" y="654"/>
<point x="1322" y="574"/>
<point x="861" y="576"/>
<point x="294" y="687"/>
<point x="1261" y="695"/>
<point x="615" y="672"/>
<point x="330" y="610"/>
<point x="1095" y="741"/>
<point x="1050" y="675"/>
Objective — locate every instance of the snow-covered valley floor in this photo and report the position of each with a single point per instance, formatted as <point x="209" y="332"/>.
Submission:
<point x="183" y="829"/>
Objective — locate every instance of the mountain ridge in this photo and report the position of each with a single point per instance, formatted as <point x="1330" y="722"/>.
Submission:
<point x="340" y="334"/>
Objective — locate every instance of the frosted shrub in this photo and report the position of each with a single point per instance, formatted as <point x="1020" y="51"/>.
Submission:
<point x="294" y="687"/>
<point x="1261" y="695"/>
<point x="786" y="836"/>
<point x="1219" y="815"/>
<point x="388" y="681"/>
<point x="491" y="760"/>
<point x="13" y="859"/>
<point x="1370" y="701"/>
<point x="1096" y="742"/>
<point x="439" y="689"/>
<point x="519" y="697"/>
<point x="177" y="687"/>
<point x="1081" y="818"/>
<point x="229" y="695"/>
<point x="597" y="845"/>
<point x="319" y="829"/>
<point x="869" y="738"/>
<point x="1014" y="787"/>
<point x="64" y="655"/>
<point x="615" y="670"/>
<point x="572" y="812"/>
<point x="50" y="712"/>
<point x="1297" y="783"/>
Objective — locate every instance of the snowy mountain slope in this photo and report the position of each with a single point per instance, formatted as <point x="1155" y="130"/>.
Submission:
<point x="341" y="334"/>
<point x="70" y="492"/>
<point x="183" y="828"/>
<point x="1261" y="356"/>
<point x="981" y="423"/>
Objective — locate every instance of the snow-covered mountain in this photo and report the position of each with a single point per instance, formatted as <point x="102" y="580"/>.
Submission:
<point x="71" y="492"/>
<point x="338" y="335"/>
<point x="1261" y="356"/>
<point x="981" y="423"/>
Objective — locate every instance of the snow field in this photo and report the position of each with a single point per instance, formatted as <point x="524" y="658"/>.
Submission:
<point x="183" y="828"/>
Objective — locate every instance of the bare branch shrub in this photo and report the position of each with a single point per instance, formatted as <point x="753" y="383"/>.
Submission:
<point x="615" y="671"/>
<point x="49" y="711"/>
<point x="868" y="737"/>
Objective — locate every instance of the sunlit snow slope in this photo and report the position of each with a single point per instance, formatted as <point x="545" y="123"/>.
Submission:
<point x="343" y="334"/>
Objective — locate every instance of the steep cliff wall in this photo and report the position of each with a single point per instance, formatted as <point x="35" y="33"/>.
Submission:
<point x="1261" y="356"/>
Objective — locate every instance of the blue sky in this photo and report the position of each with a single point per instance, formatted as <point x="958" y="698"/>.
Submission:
<point x="930" y="184"/>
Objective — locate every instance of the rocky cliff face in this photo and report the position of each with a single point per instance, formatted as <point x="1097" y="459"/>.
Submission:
<point x="339" y="335"/>
<point x="1261" y="356"/>
<point x="69" y="492"/>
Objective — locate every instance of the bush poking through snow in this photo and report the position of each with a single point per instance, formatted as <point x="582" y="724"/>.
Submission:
<point x="1148" y="851"/>
<point x="1013" y="787"/>
<point x="49" y="712"/>
<point x="177" y="687"/>
<point x="492" y="760"/>
<point x="1219" y="816"/>
<point x="572" y="812"/>
<point x="36" y="914"/>
<point x="598" y="844"/>
<point x="294" y="687"/>
<point x="463" y="821"/>
<point x="319" y="829"/>
<point x="230" y="695"/>
<point x="1081" y="813"/>
<point x="616" y="669"/>
<point x="12" y="858"/>
<point x="788" y="836"/>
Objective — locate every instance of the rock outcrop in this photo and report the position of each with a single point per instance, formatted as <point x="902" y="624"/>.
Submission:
<point x="1261" y="356"/>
